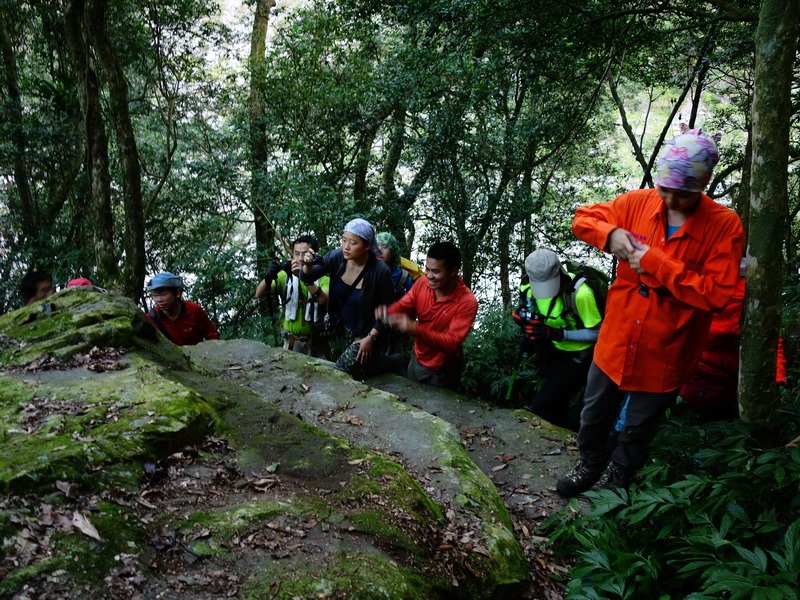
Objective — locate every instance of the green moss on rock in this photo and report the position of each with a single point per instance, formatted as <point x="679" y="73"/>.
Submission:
<point x="74" y="321"/>
<point x="72" y="428"/>
<point x="366" y="575"/>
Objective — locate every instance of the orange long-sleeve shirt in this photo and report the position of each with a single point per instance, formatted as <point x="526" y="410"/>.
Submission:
<point x="651" y="343"/>
<point x="442" y="325"/>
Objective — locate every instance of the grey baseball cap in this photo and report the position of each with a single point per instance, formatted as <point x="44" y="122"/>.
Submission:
<point x="544" y="273"/>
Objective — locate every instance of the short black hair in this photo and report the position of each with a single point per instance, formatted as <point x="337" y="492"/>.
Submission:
<point x="448" y="252"/>
<point x="307" y="239"/>
<point x="27" y="286"/>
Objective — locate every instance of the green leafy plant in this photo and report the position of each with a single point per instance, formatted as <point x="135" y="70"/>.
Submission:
<point x="716" y="515"/>
<point x="494" y="361"/>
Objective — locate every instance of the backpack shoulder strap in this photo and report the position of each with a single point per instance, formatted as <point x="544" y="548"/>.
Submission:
<point x="572" y="302"/>
<point x="157" y="320"/>
<point x="401" y="282"/>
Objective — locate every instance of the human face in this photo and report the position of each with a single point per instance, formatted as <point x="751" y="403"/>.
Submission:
<point x="167" y="299"/>
<point x="440" y="278"/>
<point x="354" y="247"/>
<point x="44" y="289"/>
<point x="386" y="253"/>
<point x="679" y="201"/>
<point x="297" y="254"/>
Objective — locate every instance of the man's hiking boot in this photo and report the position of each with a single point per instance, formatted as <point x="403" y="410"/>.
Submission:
<point x="614" y="476"/>
<point x="582" y="477"/>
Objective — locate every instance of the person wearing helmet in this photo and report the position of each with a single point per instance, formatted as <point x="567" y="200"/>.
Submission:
<point x="182" y="322"/>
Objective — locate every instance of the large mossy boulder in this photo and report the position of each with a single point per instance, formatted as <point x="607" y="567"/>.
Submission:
<point x="130" y="469"/>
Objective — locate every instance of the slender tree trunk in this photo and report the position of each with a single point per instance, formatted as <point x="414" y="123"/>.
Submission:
<point x="504" y="247"/>
<point x="133" y="236"/>
<point x="741" y="203"/>
<point x="776" y="46"/>
<point x="96" y="160"/>
<point x="259" y="152"/>
<point x="398" y="217"/>
<point x="25" y="208"/>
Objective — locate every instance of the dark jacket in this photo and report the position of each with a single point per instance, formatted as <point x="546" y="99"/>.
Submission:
<point x="377" y="288"/>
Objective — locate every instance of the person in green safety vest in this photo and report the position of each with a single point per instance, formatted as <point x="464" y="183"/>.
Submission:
<point x="560" y="324"/>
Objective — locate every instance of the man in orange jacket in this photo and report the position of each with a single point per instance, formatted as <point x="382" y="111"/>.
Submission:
<point x="679" y="257"/>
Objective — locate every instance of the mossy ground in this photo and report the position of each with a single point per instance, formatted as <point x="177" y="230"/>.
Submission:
<point x="278" y="508"/>
<point x="75" y="429"/>
<point x="358" y="574"/>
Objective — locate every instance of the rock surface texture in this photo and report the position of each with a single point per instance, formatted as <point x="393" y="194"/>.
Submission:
<point x="134" y="468"/>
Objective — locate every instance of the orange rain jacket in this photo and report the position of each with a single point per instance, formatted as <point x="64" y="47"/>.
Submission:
<point x="651" y="338"/>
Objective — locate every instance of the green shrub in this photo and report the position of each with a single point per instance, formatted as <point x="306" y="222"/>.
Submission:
<point x="716" y="515"/>
<point x="494" y="361"/>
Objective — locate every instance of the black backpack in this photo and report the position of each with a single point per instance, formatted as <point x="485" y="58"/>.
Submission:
<point x="596" y="280"/>
<point x="400" y="288"/>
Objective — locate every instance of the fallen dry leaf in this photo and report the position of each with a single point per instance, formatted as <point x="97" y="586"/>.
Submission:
<point x="85" y="526"/>
<point x="68" y="489"/>
<point x="353" y="420"/>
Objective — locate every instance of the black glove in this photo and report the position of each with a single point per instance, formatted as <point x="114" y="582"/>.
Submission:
<point x="540" y="331"/>
<point x="272" y="270"/>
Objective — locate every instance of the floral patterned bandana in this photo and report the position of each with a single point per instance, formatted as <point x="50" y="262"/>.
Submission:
<point x="688" y="160"/>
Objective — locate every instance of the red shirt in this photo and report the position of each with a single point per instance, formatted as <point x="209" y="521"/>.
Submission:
<point x="191" y="327"/>
<point x="721" y="350"/>
<point x="651" y="343"/>
<point x="442" y="325"/>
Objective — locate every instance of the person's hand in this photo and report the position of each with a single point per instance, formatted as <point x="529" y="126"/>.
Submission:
<point x="381" y="314"/>
<point x="364" y="349"/>
<point x="621" y="243"/>
<point x="540" y="331"/>
<point x="307" y="260"/>
<point x="635" y="258"/>
<point x="402" y="322"/>
<point x="518" y="319"/>
<point x="273" y="269"/>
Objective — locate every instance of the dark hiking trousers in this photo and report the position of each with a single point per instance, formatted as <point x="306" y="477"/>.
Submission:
<point x="627" y="418"/>
<point x="565" y="374"/>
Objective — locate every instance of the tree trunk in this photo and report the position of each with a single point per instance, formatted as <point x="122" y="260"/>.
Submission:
<point x="363" y="158"/>
<point x="24" y="209"/>
<point x="776" y="44"/>
<point x="398" y="209"/>
<point x="133" y="235"/>
<point x="259" y="152"/>
<point x="741" y="202"/>
<point x="504" y="258"/>
<point x="96" y="159"/>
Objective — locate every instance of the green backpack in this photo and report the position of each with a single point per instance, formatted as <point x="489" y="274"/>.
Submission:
<point x="596" y="280"/>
